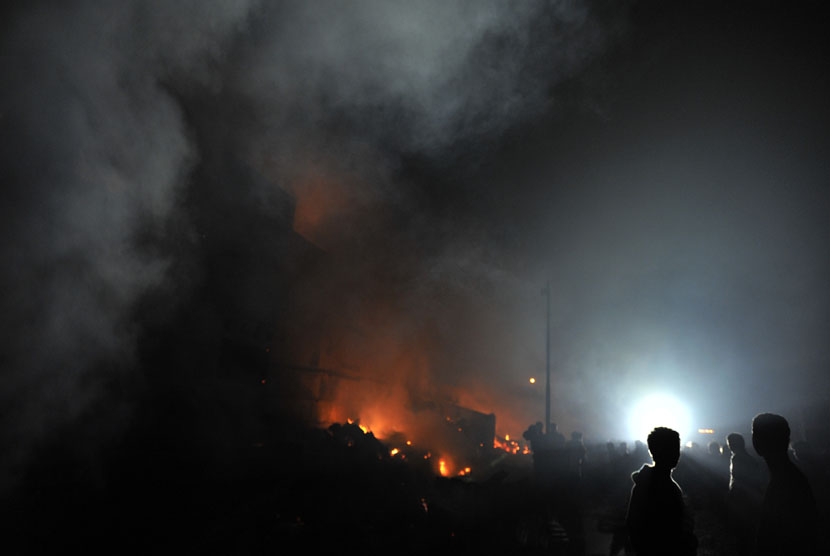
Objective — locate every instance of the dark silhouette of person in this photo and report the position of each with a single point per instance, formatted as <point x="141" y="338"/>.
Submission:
<point x="535" y="435"/>
<point x="572" y="492"/>
<point x="716" y="461"/>
<point x="714" y="471"/>
<point x="557" y="439"/>
<point x="789" y="516"/>
<point x="657" y="520"/>
<point x="557" y="493"/>
<point x="543" y="454"/>
<point x="744" y="498"/>
<point x="814" y="464"/>
<point x="576" y="455"/>
<point x="618" y="474"/>
<point x="623" y="450"/>
<point x="611" y="450"/>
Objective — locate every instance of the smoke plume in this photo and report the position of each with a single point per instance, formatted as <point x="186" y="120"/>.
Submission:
<point x="331" y="101"/>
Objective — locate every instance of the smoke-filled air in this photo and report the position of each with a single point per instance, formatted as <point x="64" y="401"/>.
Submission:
<point x="237" y="233"/>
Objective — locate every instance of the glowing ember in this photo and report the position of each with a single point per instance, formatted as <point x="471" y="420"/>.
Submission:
<point x="364" y="429"/>
<point x="442" y="468"/>
<point x="394" y="451"/>
<point x="509" y="446"/>
<point x="532" y="380"/>
<point x="409" y="443"/>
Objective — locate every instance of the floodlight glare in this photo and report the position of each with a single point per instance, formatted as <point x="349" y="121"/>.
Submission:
<point x="658" y="410"/>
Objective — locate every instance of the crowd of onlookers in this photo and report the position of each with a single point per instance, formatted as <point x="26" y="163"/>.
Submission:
<point x="339" y="490"/>
<point x="751" y="494"/>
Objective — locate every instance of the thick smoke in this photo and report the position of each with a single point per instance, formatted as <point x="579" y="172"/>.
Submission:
<point x="98" y="152"/>
<point x="95" y="152"/>
<point x="684" y="232"/>
<point x="349" y="100"/>
<point x="420" y="76"/>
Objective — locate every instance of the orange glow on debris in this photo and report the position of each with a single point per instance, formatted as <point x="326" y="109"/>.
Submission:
<point x="509" y="446"/>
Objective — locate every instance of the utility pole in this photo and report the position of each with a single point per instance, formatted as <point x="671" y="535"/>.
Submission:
<point x="546" y="293"/>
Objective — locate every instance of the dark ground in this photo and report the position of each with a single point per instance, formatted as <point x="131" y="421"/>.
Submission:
<point x="324" y="491"/>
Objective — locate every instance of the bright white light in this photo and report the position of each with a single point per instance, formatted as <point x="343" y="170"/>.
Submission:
<point x="658" y="410"/>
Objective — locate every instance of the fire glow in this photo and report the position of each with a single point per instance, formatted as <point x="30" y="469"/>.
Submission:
<point x="510" y="446"/>
<point x="442" y="468"/>
<point x="387" y="389"/>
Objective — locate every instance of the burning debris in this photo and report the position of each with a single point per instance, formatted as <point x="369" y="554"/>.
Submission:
<point x="511" y="446"/>
<point x="457" y="459"/>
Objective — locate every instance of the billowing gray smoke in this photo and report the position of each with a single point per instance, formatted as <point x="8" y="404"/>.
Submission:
<point x="94" y="151"/>
<point x="422" y="75"/>
<point x="98" y="154"/>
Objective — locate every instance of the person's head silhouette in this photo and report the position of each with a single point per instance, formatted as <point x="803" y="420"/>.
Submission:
<point x="770" y="435"/>
<point x="736" y="442"/>
<point x="664" y="445"/>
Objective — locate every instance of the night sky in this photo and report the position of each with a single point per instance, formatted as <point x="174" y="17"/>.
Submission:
<point x="662" y="164"/>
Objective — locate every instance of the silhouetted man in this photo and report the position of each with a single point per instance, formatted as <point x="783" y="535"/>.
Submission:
<point x="657" y="520"/>
<point x="556" y="437"/>
<point x="576" y="454"/>
<point x="789" y="517"/>
<point x="744" y="498"/>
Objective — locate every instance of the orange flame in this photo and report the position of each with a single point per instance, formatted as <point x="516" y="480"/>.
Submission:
<point x="509" y="446"/>
<point x="442" y="468"/>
